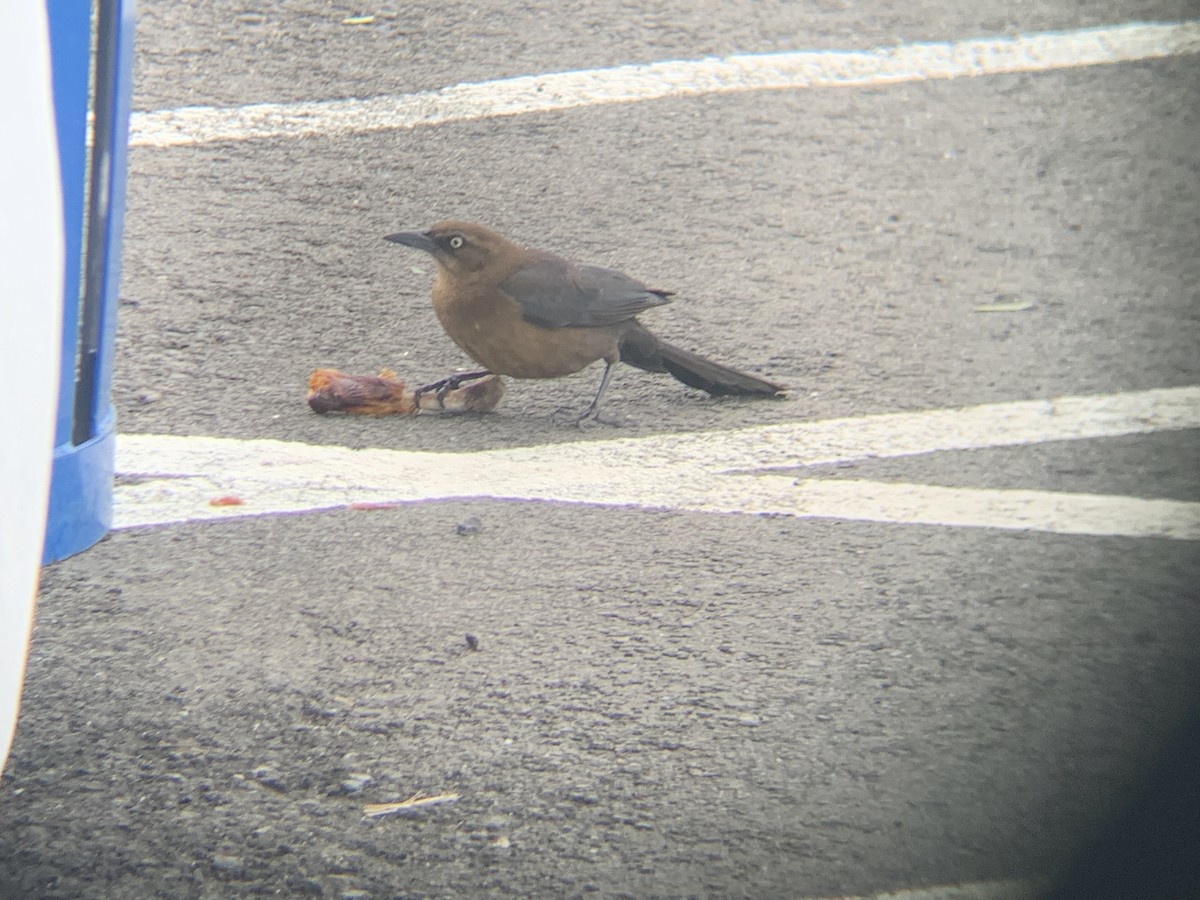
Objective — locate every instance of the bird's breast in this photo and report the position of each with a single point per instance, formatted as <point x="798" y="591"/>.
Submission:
<point x="487" y="324"/>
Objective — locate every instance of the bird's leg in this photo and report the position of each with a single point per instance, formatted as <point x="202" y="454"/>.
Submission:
<point x="593" y="410"/>
<point x="446" y="385"/>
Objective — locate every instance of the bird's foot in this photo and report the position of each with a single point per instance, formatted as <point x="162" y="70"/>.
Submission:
<point x="566" y="416"/>
<point x="446" y="385"/>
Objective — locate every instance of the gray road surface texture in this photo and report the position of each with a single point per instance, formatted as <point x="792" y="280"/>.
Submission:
<point x="661" y="703"/>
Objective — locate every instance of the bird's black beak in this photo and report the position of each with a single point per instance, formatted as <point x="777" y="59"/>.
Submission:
<point x="417" y="239"/>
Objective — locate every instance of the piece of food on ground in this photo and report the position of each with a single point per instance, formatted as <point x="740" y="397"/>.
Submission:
<point x="386" y="395"/>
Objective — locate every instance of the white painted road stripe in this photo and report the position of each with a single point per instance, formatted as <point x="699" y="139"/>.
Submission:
<point x="675" y="78"/>
<point x="967" y="890"/>
<point x="1016" y="510"/>
<point x="174" y="479"/>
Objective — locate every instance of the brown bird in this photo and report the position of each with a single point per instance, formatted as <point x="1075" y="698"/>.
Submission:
<point x="528" y="313"/>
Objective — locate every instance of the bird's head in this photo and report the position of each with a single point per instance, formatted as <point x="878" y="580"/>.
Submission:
<point x="460" y="248"/>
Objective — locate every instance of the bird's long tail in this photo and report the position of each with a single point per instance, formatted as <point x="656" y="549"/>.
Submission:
<point x="642" y="349"/>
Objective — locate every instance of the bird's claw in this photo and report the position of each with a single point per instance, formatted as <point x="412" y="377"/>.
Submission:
<point x="566" y="416"/>
<point x="440" y="389"/>
<point x="445" y="385"/>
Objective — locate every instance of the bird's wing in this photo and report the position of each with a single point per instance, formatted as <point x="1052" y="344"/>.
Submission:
<point x="555" y="293"/>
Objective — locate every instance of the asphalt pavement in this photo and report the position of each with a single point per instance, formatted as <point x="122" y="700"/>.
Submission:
<point x="653" y="701"/>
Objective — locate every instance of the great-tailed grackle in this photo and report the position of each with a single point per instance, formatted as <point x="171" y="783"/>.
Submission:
<point x="528" y="313"/>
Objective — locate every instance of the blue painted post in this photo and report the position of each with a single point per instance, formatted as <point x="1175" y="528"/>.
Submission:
<point x="93" y="181"/>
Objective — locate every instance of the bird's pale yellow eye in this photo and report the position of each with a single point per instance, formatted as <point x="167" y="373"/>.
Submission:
<point x="456" y="242"/>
